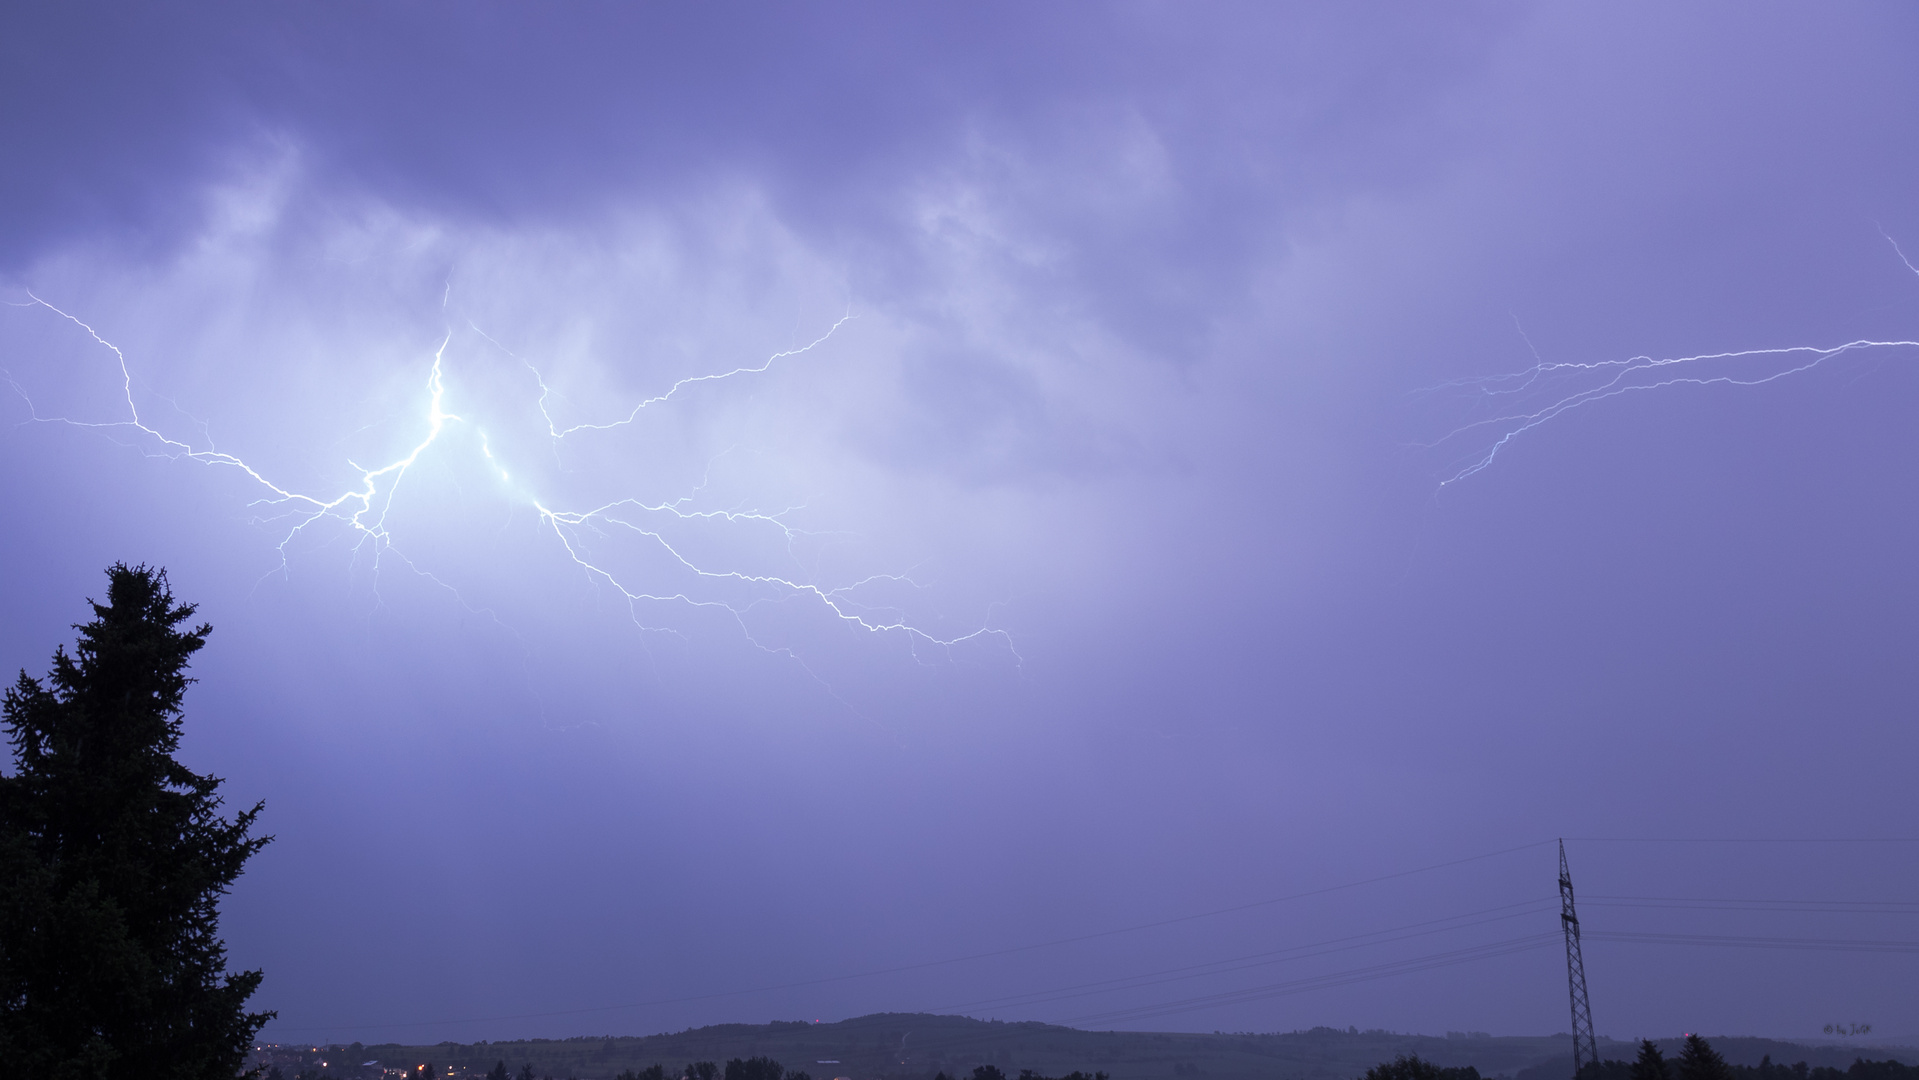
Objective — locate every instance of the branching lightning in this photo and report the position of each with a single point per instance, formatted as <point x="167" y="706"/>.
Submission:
<point x="365" y="503"/>
<point x="1546" y="391"/>
<point x="362" y="507"/>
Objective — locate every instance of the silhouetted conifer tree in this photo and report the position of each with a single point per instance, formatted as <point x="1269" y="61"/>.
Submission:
<point x="1414" y="1067"/>
<point x="1651" y="1064"/>
<point x="113" y="859"/>
<point x="756" y="1068"/>
<point x="1699" y="1061"/>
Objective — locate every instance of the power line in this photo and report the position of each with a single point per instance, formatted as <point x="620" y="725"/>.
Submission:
<point x="1323" y="982"/>
<point x="1336" y="944"/>
<point x="1262" y="959"/>
<point x="1745" y="839"/>
<point x="1682" y="903"/>
<point x="936" y="963"/>
<point x="1724" y="941"/>
<point x="1481" y="952"/>
<point x="1470" y="954"/>
<point x="1383" y="971"/>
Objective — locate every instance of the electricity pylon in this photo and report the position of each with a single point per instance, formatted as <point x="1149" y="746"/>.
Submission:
<point x="1585" y="1047"/>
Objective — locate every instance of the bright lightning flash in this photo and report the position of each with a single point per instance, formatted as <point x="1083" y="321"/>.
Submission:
<point x="1546" y="391"/>
<point x="365" y="504"/>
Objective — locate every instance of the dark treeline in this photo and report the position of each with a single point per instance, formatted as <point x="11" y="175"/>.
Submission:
<point x="765" y="1068"/>
<point x="989" y="1072"/>
<point x="757" y="1068"/>
<point x="754" y="1068"/>
<point x="1414" y="1067"/>
<point x="1697" y="1060"/>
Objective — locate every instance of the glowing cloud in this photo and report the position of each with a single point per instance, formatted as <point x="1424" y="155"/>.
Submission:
<point x="653" y="574"/>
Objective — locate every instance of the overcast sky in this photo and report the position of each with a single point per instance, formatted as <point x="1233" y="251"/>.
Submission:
<point x="1141" y="460"/>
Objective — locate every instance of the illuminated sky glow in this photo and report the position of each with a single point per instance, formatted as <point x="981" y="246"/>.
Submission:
<point x="714" y="515"/>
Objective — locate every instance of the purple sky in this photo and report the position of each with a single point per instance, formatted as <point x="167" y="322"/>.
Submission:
<point x="1117" y="576"/>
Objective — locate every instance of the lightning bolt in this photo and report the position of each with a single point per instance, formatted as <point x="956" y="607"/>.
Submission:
<point x="1548" y="390"/>
<point x="365" y="504"/>
<point x="362" y="507"/>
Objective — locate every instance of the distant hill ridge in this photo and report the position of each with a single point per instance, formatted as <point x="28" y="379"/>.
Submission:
<point x="916" y="1046"/>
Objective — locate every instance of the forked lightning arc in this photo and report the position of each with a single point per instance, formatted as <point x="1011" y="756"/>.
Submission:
<point x="1546" y="391"/>
<point x="363" y="506"/>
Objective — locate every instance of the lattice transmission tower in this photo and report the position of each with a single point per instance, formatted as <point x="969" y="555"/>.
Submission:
<point x="1585" y="1047"/>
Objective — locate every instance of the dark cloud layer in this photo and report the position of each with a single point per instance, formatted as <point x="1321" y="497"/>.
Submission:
<point x="508" y="114"/>
<point x="1151" y="305"/>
